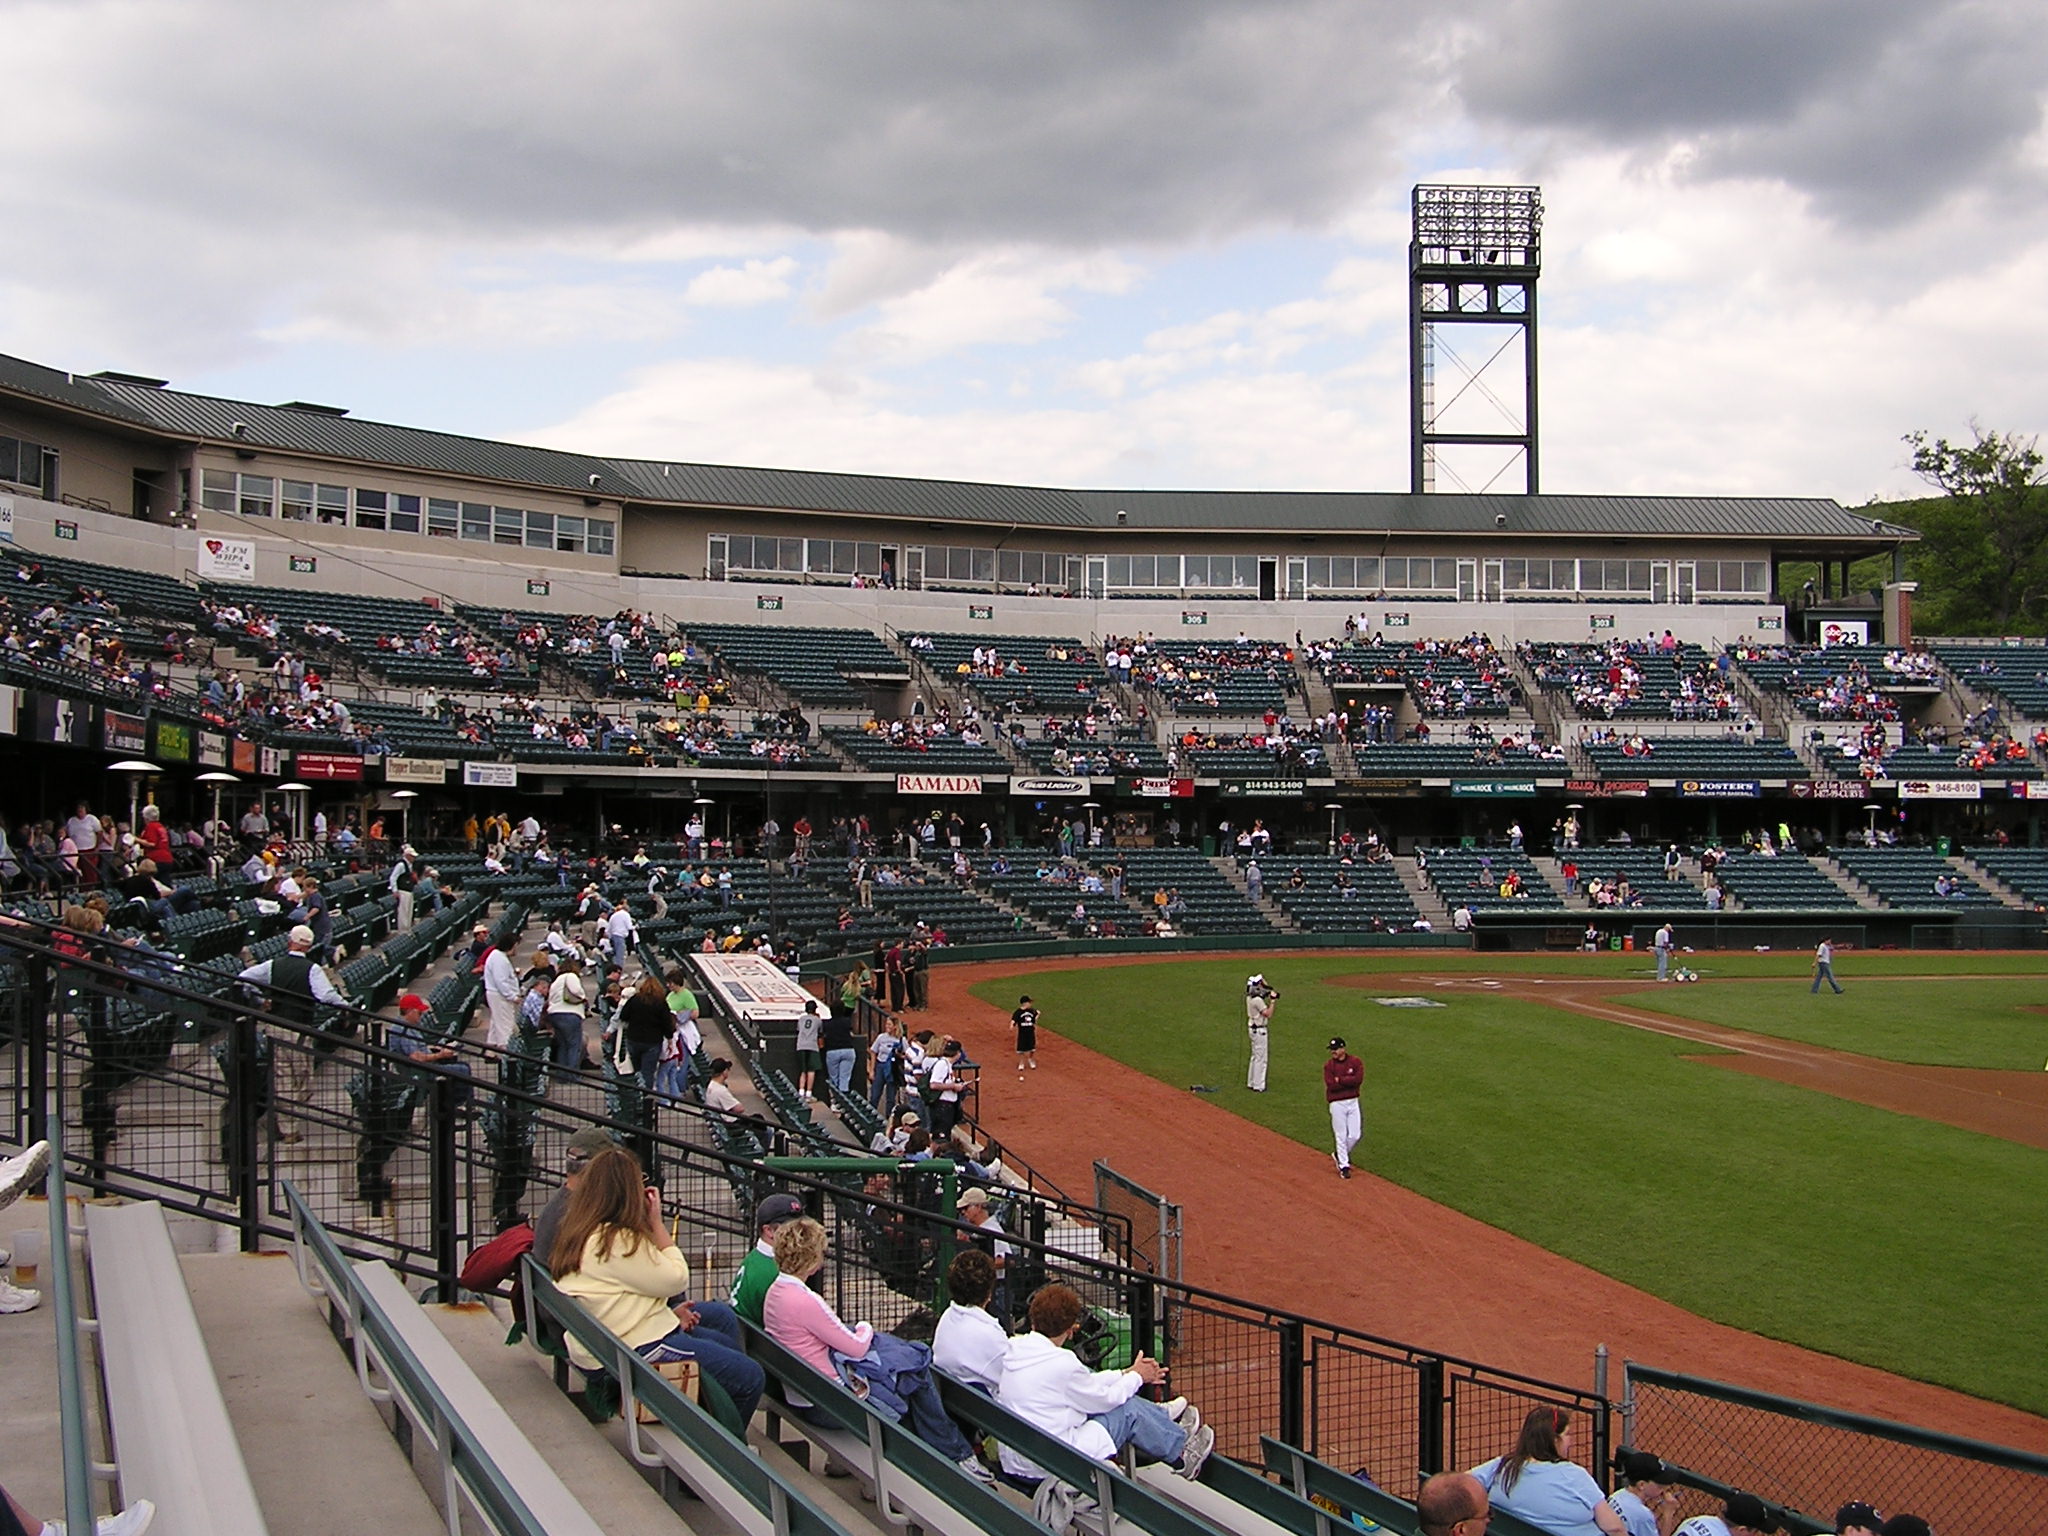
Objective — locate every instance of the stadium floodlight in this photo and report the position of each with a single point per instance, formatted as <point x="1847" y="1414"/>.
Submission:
<point x="1473" y="259"/>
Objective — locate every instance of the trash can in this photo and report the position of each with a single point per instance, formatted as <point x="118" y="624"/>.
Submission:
<point x="1628" y="941"/>
<point x="1941" y="846"/>
<point x="1208" y="845"/>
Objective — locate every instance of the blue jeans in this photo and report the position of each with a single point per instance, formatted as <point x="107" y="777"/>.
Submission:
<point x="568" y="1052"/>
<point x="1825" y="973"/>
<point x="646" y="1066"/>
<point x="672" y="1077"/>
<point x="1142" y="1423"/>
<point x="1663" y="963"/>
<point x="715" y="1345"/>
<point x="882" y="1085"/>
<point x="839" y="1070"/>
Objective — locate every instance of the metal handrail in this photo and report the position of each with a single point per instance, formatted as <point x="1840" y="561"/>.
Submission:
<point x="71" y="1408"/>
<point x="374" y="1338"/>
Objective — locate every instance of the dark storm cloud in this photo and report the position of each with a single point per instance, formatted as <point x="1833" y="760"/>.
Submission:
<point x="1877" y="108"/>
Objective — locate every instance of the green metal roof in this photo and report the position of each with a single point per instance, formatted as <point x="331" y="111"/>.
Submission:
<point x="321" y="431"/>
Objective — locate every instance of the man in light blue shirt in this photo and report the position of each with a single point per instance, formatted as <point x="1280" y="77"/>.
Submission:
<point x="1646" y="1501"/>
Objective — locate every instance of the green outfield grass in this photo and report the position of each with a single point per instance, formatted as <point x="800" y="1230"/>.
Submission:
<point x="1960" y="1022"/>
<point x="1897" y="1242"/>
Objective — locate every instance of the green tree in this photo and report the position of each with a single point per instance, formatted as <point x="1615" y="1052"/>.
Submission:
<point x="1986" y="544"/>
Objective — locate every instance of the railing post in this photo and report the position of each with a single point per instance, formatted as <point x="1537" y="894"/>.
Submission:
<point x="1429" y="1415"/>
<point x="1293" y="1385"/>
<point x="39" y="1026"/>
<point x="249" y="1092"/>
<point x="441" y="1163"/>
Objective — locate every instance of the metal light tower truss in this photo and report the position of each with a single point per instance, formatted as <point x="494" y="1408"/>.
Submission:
<point x="1473" y="262"/>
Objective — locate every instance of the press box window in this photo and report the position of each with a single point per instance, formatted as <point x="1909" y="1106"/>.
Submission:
<point x="443" y="518"/>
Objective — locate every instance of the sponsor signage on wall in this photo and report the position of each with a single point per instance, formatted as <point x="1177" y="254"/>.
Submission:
<point x="1831" y="789"/>
<point x="491" y="775"/>
<point x="1162" y="789"/>
<point x="1265" y="788"/>
<point x="980" y="611"/>
<point x="1721" y="789"/>
<point x="270" y="761"/>
<point x="1048" y="786"/>
<point x="415" y="770"/>
<point x="1941" y="789"/>
<point x="1603" y="620"/>
<point x="66" y="722"/>
<point x="938" y="783"/>
<point x="226" y="560"/>
<point x="304" y="565"/>
<point x="327" y="765"/>
<point x="67" y="530"/>
<point x="213" y="750"/>
<point x="535" y="588"/>
<point x="1770" y="621"/>
<point x="1608" y="789"/>
<point x="171" y="740"/>
<point x="1491" y="789"/>
<point x="1389" y="786"/>
<point x="1845" y="632"/>
<point x="6" y="519"/>
<point x="10" y="710"/>
<point x="126" y="734"/>
<point x="1394" y="621"/>
<point x="1188" y="616"/>
<point x="2029" y="789"/>
<point x="768" y="604"/>
<point x="242" y="754"/>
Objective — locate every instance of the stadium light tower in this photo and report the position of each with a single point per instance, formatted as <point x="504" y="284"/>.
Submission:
<point x="1473" y="260"/>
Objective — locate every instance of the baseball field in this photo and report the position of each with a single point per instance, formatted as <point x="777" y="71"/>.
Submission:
<point x="1865" y="1175"/>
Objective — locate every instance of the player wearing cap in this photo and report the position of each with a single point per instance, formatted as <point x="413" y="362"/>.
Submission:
<point x="1743" y="1515"/>
<point x="1343" y="1073"/>
<point x="1646" y="1501"/>
<point x="1857" y="1518"/>
<point x="1258" y="1020"/>
<point x="758" y="1270"/>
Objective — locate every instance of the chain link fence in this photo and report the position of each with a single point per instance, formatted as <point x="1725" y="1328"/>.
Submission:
<point x="1811" y="1460"/>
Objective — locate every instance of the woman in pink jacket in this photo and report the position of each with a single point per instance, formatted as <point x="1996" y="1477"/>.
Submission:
<point x="803" y="1322"/>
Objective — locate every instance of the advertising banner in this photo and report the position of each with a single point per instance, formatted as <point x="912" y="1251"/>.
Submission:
<point x="242" y="754"/>
<point x="490" y="775"/>
<point x="1721" y="789"/>
<point x="66" y="722"/>
<point x="226" y="560"/>
<point x="415" y="770"/>
<point x="1608" y="789"/>
<point x="1276" y="789"/>
<point x="1049" y="787"/>
<point x="330" y="766"/>
<point x="938" y="783"/>
<point x="1831" y="789"/>
<point x="170" y="740"/>
<point x="1491" y="789"/>
<point x="1941" y="789"/>
<point x="125" y="734"/>
<point x="10" y="710"/>
<point x="1845" y="632"/>
<point x="1163" y="789"/>
<point x="752" y="988"/>
<point x="270" y="761"/>
<point x="213" y="750"/>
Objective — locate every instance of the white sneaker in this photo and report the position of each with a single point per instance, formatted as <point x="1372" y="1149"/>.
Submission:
<point x="973" y="1468"/>
<point x="1199" y="1445"/>
<point x="1174" y="1407"/>
<point x="23" y="1172"/>
<point x="14" y="1299"/>
<point x="132" y="1521"/>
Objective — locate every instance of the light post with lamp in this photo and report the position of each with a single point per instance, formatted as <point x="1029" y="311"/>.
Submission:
<point x="136" y="770"/>
<point x="295" y="807"/>
<point x="217" y="778"/>
<point x="405" y="798"/>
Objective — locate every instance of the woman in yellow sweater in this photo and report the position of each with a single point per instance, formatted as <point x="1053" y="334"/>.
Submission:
<point x="614" y="1255"/>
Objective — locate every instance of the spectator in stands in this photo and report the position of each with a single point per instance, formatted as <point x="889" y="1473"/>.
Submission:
<point x="1744" y="1514"/>
<point x="296" y="985"/>
<point x="1858" y="1519"/>
<point x="885" y="1057"/>
<point x="1453" y="1504"/>
<point x="1096" y="1412"/>
<point x="802" y="1322"/>
<point x="673" y="1075"/>
<point x="944" y="1084"/>
<point x="758" y="1270"/>
<point x="835" y="1035"/>
<point x="1646" y="1501"/>
<point x="613" y="1253"/>
<point x="1539" y="1482"/>
<point x="646" y="1024"/>
<point x="411" y="1037"/>
<point x="970" y="1342"/>
<point x="155" y="837"/>
<point x="718" y="1095"/>
<point x="810" y="1061"/>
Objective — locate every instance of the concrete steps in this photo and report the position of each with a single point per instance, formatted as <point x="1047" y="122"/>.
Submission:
<point x="1423" y="894"/>
<point x="1990" y="882"/>
<point x="318" y="1451"/>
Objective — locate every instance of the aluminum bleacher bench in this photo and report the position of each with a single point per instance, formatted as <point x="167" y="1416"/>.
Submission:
<point x="176" y="1443"/>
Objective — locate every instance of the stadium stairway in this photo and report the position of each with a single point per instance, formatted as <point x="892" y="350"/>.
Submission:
<point x="1275" y="914"/>
<point x="1424" y="895"/>
<point x="318" y="1452"/>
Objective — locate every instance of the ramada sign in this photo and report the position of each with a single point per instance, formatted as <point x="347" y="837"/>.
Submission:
<point x="938" y="783"/>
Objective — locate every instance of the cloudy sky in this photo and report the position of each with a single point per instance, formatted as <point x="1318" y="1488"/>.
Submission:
<point x="1127" y="242"/>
